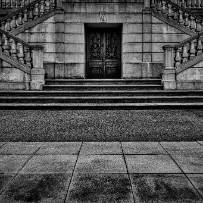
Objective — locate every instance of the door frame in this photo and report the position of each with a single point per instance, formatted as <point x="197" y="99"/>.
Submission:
<point x="89" y="26"/>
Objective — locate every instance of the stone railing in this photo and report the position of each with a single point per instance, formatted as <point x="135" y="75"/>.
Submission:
<point x="176" y="56"/>
<point x="179" y="14"/>
<point x="11" y="4"/>
<point x="28" y="13"/>
<point x="19" y="50"/>
<point x="191" y="4"/>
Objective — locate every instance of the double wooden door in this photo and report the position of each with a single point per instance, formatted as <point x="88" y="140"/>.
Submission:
<point x="103" y="52"/>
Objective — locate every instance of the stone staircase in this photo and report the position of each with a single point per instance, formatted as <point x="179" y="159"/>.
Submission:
<point x="101" y="94"/>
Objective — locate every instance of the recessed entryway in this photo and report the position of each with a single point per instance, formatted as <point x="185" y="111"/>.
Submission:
<point x="103" y="51"/>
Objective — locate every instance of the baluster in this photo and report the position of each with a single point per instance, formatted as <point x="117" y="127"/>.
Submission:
<point x="183" y="4"/>
<point x="18" y="3"/>
<point x="30" y="15"/>
<point x="198" y="2"/>
<point x="199" y="46"/>
<point x="28" y="58"/>
<point x="20" y="20"/>
<point x="8" y="25"/>
<point x="14" y="3"/>
<point x="185" y="54"/>
<point x="47" y="5"/>
<point x="170" y="13"/>
<point x="177" y="58"/>
<point x="14" y="49"/>
<point x="201" y="5"/>
<point x="153" y="5"/>
<point x="181" y="17"/>
<point x="193" y="3"/>
<point x="192" y="49"/>
<point x="192" y="23"/>
<point x="189" y="3"/>
<point x="13" y="23"/>
<point x="41" y="7"/>
<point x="4" y="4"/>
<point x="25" y="18"/>
<point x="187" y="22"/>
<point x="3" y="23"/>
<point x="22" y="3"/>
<point x="53" y="4"/>
<point x="199" y="26"/>
<point x="159" y="6"/>
<point x="36" y="11"/>
<point x="1" y="42"/>
<point x="6" y="45"/>
<point x="175" y="16"/>
<point x="21" y="53"/>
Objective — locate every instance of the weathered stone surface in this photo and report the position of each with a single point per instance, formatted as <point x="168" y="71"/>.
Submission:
<point x="12" y="163"/>
<point x="151" y="164"/>
<point x="132" y="38"/>
<point x="197" y="180"/>
<point x="166" y="188"/>
<point x="74" y="48"/>
<point x="100" y="188"/>
<point x="142" y="148"/>
<point x="37" y="188"/>
<point x="132" y="47"/>
<point x="50" y="164"/>
<point x="74" y="28"/>
<point x="101" y="148"/>
<point x="132" y="28"/>
<point x="60" y="148"/>
<point x="100" y="164"/>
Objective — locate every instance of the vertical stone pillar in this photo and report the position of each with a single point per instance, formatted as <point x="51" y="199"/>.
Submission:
<point x="169" y="72"/>
<point x="37" y="72"/>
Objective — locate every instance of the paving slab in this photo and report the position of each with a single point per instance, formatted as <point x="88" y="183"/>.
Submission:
<point x="12" y="163"/>
<point x="190" y="163"/>
<point x="166" y="188"/>
<point x="101" y="164"/>
<point x="197" y="180"/>
<point x="20" y="148"/>
<point x="40" y="188"/>
<point x="4" y="179"/>
<point x="101" y="148"/>
<point x="182" y="147"/>
<point x="50" y="164"/>
<point x="151" y="164"/>
<point x="63" y="148"/>
<point x="142" y="148"/>
<point x="87" y="188"/>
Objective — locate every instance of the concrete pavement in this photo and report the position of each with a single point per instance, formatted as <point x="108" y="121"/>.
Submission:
<point x="70" y="172"/>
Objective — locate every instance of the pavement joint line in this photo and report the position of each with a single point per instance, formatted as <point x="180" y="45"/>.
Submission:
<point x="199" y="143"/>
<point x="16" y="174"/>
<point x="182" y="171"/>
<point x="3" y="144"/>
<point x="128" y="174"/>
<point x="68" y="187"/>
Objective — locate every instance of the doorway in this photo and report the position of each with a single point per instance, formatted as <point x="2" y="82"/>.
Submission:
<point x="103" y="52"/>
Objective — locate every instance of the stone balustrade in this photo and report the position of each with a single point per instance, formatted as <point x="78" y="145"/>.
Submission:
<point x="191" y="4"/>
<point x="28" y="13"/>
<point x="178" y="14"/>
<point x="11" y="4"/>
<point x="183" y="52"/>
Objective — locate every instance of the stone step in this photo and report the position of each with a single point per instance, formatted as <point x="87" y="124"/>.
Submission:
<point x="101" y="81"/>
<point x="99" y="99"/>
<point x="100" y="106"/>
<point x="102" y="93"/>
<point x="103" y="87"/>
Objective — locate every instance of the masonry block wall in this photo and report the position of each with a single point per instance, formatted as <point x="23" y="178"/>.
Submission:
<point x="143" y="37"/>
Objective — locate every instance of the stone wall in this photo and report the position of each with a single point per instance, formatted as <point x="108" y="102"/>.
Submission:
<point x="142" y="38"/>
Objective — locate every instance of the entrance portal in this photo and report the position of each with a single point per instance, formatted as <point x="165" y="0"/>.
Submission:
<point x="103" y="48"/>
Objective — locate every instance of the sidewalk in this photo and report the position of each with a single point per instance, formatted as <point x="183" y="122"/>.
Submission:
<point x="76" y="172"/>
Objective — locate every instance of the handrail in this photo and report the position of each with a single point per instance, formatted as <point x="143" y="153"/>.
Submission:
<point x="184" y="10"/>
<point x="34" y="47"/>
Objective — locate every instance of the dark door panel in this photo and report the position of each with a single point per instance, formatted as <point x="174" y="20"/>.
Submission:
<point x="103" y="53"/>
